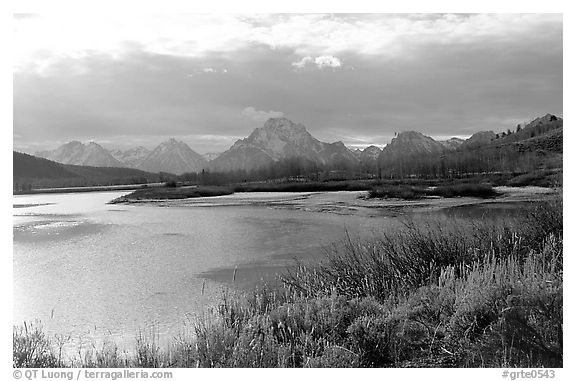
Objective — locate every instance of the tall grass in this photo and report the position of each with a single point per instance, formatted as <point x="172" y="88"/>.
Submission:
<point x="430" y="294"/>
<point x="31" y="348"/>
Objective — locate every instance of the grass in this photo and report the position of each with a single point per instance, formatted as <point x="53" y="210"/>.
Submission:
<point x="432" y="294"/>
<point x="407" y="192"/>
<point x="32" y="348"/>
<point x="171" y="193"/>
<point x="377" y="190"/>
<point x="465" y="190"/>
<point x="480" y="186"/>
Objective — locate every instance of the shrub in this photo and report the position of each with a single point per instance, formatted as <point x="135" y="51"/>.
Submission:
<point x="171" y="184"/>
<point x="406" y="192"/>
<point x="171" y="193"/>
<point x="465" y="190"/>
<point x="398" y="191"/>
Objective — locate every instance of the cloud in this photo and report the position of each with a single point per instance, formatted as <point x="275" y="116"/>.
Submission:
<point x="485" y="66"/>
<point x="46" y="38"/>
<point x="303" y="62"/>
<point x="321" y="62"/>
<point x="207" y="70"/>
<point x="328" y="61"/>
<point x="261" y="116"/>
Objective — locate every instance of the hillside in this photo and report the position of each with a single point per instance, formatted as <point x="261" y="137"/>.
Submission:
<point x="28" y="166"/>
<point x="537" y="146"/>
<point x="550" y="141"/>
<point x="31" y="172"/>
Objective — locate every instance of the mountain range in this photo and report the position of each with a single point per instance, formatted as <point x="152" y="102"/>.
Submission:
<point x="279" y="139"/>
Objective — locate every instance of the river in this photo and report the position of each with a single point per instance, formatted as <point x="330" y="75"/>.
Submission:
<point x="98" y="271"/>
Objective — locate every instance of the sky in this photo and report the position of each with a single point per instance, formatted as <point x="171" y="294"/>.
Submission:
<point x="210" y="79"/>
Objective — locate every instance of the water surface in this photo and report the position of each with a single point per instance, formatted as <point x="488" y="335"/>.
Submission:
<point x="92" y="270"/>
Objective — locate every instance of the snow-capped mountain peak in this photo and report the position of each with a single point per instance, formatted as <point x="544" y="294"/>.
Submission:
<point x="173" y="156"/>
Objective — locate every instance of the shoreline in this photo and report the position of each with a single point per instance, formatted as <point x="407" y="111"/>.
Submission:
<point x="349" y="202"/>
<point x="99" y="188"/>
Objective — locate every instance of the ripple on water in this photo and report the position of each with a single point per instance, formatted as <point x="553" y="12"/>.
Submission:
<point x="54" y="230"/>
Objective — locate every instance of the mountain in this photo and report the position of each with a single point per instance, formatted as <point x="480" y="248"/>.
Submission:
<point x="369" y="159"/>
<point x="478" y="139"/>
<point x="532" y="129"/>
<point x="280" y="139"/>
<point x="211" y="155"/>
<point x="77" y="153"/>
<point x="336" y="155"/>
<point x="452" y="143"/>
<point x="30" y="172"/>
<point x="132" y="157"/>
<point x="173" y="156"/>
<point x="543" y="120"/>
<point x="410" y="143"/>
<point x="522" y="150"/>
<point x="370" y="153"/>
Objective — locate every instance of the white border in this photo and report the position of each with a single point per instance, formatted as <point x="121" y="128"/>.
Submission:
<point x="292" y="6"/>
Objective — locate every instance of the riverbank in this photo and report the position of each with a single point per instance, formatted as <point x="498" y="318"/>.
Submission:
<point x="348" y="202"/>
<point x="103" y="188"/>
